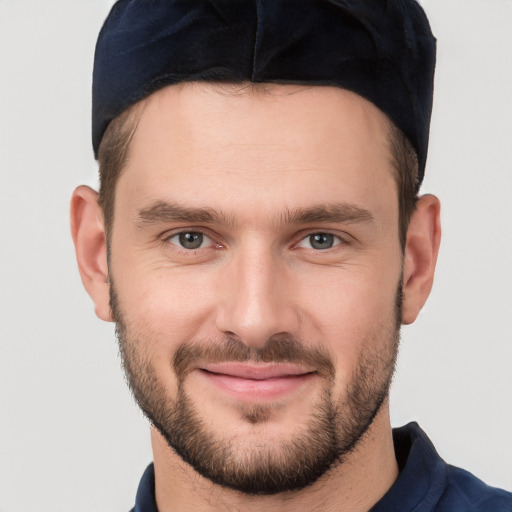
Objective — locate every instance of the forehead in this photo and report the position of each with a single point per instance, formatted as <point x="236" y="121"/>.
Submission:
<point x="229" y="141"/>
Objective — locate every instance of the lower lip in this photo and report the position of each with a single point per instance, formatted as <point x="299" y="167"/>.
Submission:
<point x="257" y="390"/>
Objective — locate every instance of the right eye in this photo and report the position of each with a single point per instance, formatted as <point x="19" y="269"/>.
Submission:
<point x="190" y="240"/>
<point x="320" y="241"/>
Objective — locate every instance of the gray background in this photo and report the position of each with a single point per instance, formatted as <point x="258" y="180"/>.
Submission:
<point x="71" y="437"/>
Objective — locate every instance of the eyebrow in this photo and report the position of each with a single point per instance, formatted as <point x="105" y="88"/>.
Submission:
<point x="163" y="211"/>
<point x="337" y="213"/>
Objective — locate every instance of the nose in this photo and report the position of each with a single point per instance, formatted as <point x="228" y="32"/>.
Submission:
<point x="256" y="298"/>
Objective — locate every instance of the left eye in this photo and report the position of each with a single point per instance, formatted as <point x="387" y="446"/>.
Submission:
<point x="189" y="240"/>
<point x="320" y="241"/>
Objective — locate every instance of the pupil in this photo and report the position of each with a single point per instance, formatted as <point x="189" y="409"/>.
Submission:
<point x="321" y="241"/>
<point x="191" y="240"/>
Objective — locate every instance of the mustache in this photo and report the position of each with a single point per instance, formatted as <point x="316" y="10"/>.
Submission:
<point x="277" y="349"/>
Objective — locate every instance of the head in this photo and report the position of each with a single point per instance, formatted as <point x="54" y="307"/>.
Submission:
<point x="258" y="247"/>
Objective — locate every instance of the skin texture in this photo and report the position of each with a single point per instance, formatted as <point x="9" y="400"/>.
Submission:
<point x="255" y="161"/>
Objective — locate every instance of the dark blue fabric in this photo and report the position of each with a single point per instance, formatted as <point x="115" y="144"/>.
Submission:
<point x="145" y="499"/>
<point x="383" y="50"/>
<point x="425" y="484"/>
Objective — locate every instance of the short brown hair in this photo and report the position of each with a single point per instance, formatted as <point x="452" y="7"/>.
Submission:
<point x="405" y="163"/>
<point x="112" y="158"/>
<point x="113" y="154"/>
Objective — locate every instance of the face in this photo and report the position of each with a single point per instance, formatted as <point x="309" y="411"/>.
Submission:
<point x="255" y="273"/>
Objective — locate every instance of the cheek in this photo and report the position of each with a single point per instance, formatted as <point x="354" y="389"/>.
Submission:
<point x="352" y="310"/>
<point x="167" y="306"/>
<point x="161" y="313"/>
<point x="353" y="298"/>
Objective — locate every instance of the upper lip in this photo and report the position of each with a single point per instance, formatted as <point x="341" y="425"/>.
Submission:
<point x="257" y="371"/>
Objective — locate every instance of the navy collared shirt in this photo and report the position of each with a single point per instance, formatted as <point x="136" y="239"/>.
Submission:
<point x="425" y="483"/>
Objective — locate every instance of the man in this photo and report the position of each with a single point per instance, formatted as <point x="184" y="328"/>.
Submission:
<point x="258" y="241"/>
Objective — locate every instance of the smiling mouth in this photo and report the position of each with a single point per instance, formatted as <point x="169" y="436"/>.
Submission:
<point x="257" y="382"/>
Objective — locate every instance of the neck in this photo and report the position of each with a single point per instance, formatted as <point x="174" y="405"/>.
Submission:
<point x="355" y="485"/>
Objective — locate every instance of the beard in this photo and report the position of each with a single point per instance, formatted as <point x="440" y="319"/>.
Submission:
<point x="261" y="466"/>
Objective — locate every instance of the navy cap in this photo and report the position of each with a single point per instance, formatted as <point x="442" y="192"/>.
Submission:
<point x="382" y="50"/>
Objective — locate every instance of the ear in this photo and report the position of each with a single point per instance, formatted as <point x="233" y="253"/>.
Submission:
<point x="421" y="249"/>
<point x="88" y="232"/>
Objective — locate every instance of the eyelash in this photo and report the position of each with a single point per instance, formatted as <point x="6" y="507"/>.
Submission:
<point x="167" y="239"/>
<point x="338" y="240"/>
